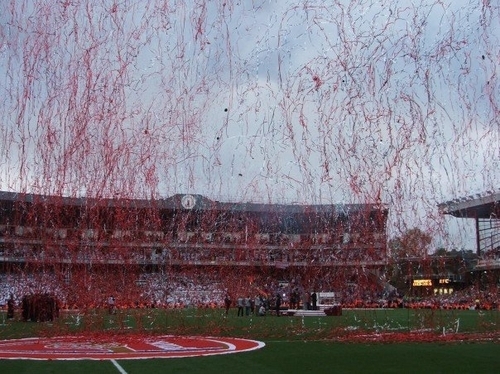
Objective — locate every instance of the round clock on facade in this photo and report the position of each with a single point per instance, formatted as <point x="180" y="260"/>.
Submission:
<point x="188" y="201"/>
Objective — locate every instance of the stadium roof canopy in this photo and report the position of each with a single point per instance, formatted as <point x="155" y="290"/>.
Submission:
<point x="479" y="206"/>
<point x="189" y="201"/>
<point x="485" y="210"/>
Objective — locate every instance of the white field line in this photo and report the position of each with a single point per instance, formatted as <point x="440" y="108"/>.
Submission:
<point x="117" y="365"/>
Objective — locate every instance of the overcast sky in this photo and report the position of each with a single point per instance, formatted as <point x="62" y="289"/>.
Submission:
<point x="268" y="101"/>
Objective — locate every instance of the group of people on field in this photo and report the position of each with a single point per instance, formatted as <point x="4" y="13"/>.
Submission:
<point x="246" y="306"/>
<point x="260" y="305"/>
<point x="309" y="300"/>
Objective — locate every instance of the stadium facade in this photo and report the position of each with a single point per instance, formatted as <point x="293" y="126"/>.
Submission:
<point x="114" y="242"/>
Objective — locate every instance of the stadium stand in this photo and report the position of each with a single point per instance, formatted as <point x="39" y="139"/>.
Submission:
<point x="186" y="249"/>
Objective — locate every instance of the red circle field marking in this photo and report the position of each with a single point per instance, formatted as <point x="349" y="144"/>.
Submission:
<point x="122" y="347"/>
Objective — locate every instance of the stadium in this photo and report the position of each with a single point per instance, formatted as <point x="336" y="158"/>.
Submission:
<point x="295" y="182"/>
<point x="168" y="264"/>
<point x="188" y="250"/>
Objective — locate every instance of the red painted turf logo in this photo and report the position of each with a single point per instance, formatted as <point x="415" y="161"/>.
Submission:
<point x="122" y="347"/>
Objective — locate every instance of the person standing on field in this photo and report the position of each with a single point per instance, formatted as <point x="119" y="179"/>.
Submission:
<point x="314" y="299"/>
<point x="278" y="304"/>
<point x="10" y="307"/>
<point x="241" y="304"/>
<point x="248" y="305"/>
<point x="227" y="303"/>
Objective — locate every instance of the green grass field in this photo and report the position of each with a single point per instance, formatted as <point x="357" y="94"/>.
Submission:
<point x="346" y="344"/>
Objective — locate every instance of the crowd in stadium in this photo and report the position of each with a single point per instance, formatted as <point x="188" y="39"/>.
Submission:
<point x="208" y="290"/>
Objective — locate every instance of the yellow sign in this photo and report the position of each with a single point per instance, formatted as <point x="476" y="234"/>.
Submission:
<point x="422" y="282"/>
<point x="444" y="281"/>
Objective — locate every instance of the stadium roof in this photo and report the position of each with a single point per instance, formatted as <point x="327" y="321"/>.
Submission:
<point x="189" y="201"/>
<point x="486" y="205"/>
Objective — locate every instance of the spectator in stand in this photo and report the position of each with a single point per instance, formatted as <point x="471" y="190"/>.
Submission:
<point x="293" y="300"/>
<point x="111" y="304"/>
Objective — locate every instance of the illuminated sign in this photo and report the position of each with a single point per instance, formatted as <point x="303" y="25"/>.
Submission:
<point x="444" y="281"/>
<point x="422" y="282"/>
